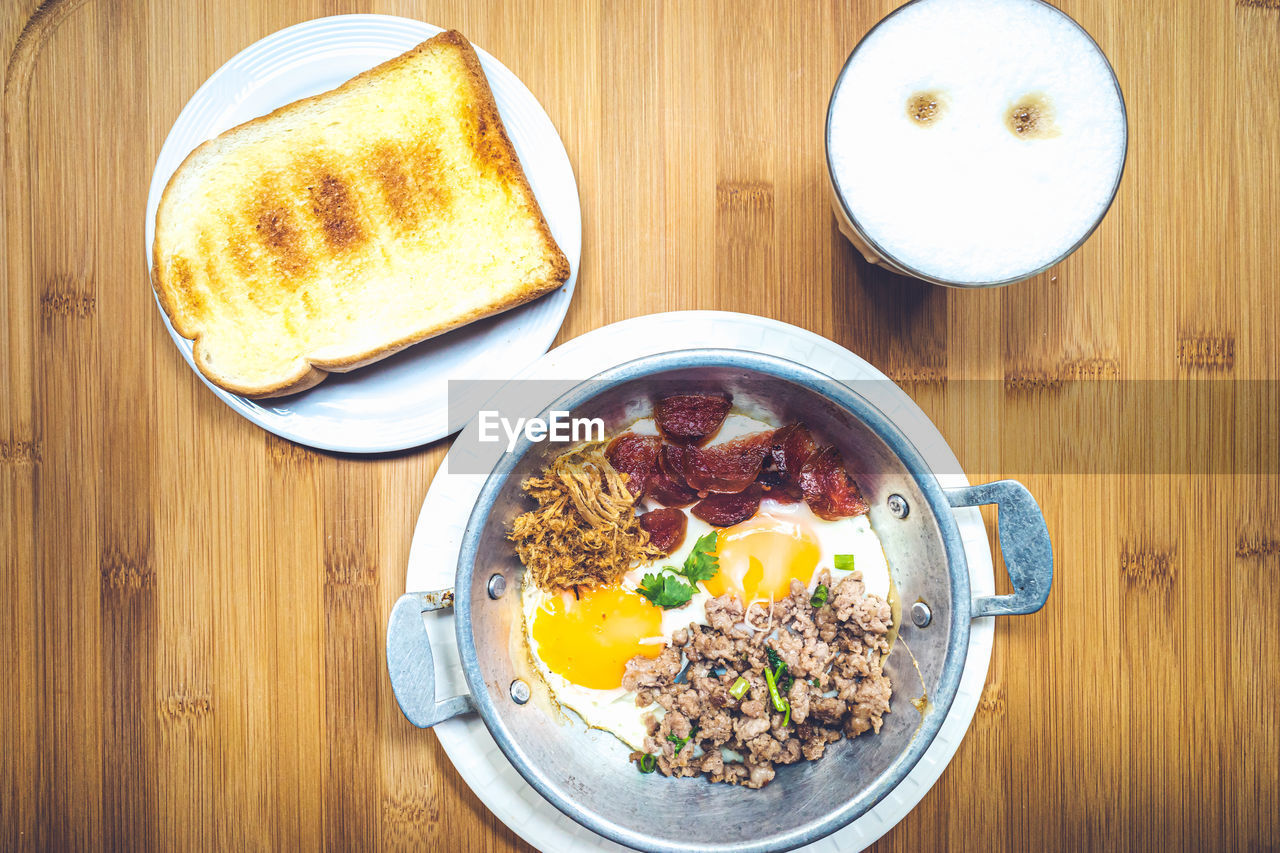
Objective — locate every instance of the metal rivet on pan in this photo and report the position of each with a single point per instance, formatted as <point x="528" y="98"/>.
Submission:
<point x="497" y="586"/>
<point x="898" y="506"/>
<point x="921" y="615"/>
<point x="519" y="692"/>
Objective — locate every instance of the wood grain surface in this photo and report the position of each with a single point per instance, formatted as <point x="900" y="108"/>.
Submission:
<point x="194" y="614"/>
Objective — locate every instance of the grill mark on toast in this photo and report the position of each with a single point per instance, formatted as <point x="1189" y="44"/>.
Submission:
<point x="184" y="286"/>
<point x="387" y="166"/>
<point x="409" y="177"/>
<point x="212" y="280"/>
<point x="334" y="204"/>
<point x="239" y="253"/>
<point x="278" y="232"/>
<point x="433" y="193"/>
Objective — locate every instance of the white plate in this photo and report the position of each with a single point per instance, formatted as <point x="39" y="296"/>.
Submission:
<point x="437" y="540"/>
<point x="401" y="401"/>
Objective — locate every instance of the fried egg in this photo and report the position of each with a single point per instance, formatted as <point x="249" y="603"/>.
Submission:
<point x="580" y="642"/>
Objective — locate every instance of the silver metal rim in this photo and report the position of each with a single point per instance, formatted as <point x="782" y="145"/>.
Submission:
<point x="894" y="263"/>
<point x="957" y="567"/>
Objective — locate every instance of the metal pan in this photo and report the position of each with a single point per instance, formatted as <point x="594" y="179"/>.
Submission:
<point x="584" y="772"/>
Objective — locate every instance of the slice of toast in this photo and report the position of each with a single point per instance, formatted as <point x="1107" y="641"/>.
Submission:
<point x="343" y="228"/>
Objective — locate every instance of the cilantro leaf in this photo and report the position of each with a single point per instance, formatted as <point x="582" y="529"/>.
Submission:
<point x="702" y="563"/>
<point x="844" y="562"/>
<point x="665" y="590"/>
<point x="668" y="588"/>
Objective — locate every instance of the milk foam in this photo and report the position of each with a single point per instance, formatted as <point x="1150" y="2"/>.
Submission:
<point x="963" y="198"/>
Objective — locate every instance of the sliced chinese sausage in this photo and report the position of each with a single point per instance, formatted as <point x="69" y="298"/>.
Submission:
<point x="783" y="493"/>
<point x="671" y="460"/>
<point x="667" y="486"/>
<point x="726" y="468"/>
<point x="791" y="447"/>
<point x="728" y="510"/>
<point x="636" y="456"/>
<point x="828" y="489"/>
<point x="666" y="528"/>
<point x="690" y="418"/>
<point x="769" y="476"/>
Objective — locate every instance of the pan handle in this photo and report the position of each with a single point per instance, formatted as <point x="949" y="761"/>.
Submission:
<point x="1024" y="544"/>
<point x="411" y="664"/>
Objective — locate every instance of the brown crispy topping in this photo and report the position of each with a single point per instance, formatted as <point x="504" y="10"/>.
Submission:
<point x="584" y="529"/>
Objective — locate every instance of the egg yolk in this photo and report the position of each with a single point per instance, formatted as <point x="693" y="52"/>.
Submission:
<point x="589" y="638"/>
<point x="760" y="557"/>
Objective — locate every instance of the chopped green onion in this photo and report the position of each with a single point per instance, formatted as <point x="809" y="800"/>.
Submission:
<point x="814" y="682"/>
<point x="779" y="704"/>
<point x="844" y="562"/>
<point x="819" y="596"/>
<point x="780" y="675"/>
<point x="775" y="661"/>
<point x="739" y="688"/>
<point x="681" y="741"/>
<point x="648" y="763"/>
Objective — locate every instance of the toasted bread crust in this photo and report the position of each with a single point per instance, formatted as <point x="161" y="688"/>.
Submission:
<point x="340" y="228"/>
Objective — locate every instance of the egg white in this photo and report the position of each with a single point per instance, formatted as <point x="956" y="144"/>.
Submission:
<point x="854" y="536"/>
<point x="615" y="710"/>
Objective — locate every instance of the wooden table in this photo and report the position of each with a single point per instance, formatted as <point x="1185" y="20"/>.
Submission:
<point x="195" y="609"/>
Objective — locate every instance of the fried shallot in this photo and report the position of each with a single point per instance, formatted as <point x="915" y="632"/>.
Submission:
<point x="584" y="530"/>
